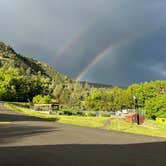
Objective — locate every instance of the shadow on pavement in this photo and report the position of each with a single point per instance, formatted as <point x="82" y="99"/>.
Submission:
<point x="13" y="133"/>
<point x="9" y="115"/>
<point x="18" y="117"/>
<point x="148" y="154"/>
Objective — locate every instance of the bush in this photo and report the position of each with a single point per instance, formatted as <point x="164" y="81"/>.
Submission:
<point x="161" y="120"/>
<point x="156" y="107"/>
<point x="41" y="99"/>
<point x="68" y="112"/>
<point x="81" y="113"/>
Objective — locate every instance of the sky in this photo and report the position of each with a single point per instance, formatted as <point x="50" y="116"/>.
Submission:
<point x="117" y="42"/>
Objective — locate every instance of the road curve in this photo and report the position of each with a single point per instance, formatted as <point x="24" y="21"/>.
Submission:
<point x="29" y="141"/>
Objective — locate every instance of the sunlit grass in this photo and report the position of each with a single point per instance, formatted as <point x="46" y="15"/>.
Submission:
<point x="95" y="122"/>
<point x="5" y="123"/>
<point x="150" y="127"/>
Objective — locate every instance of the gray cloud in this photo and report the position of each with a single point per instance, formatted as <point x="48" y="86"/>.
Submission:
<point x="138" y="60"/>
<point x="41" y="28"/>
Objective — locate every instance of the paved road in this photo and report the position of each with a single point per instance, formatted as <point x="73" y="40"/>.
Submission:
<point x="30" y="141"/>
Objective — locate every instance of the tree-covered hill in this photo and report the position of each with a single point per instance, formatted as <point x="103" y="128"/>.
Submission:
<point x="9" y="58"/>
<point x="22" y="78"/>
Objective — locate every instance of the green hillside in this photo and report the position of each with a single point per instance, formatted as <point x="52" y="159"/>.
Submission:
<point x="9" y="58"/>
<point x="22" y="78"/>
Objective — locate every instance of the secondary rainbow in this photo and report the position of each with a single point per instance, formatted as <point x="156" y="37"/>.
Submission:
<point x="71" y="42"/>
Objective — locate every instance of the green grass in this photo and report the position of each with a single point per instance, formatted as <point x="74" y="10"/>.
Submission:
<point x="5" y="123"/>
<point x="151" y="128"/>
<point x="96" y="122"/>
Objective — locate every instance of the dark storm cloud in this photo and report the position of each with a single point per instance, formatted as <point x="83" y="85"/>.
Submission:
<point x="41" y="28"/>
<point x="131" y="18"/>
<point x="138" y="60"/>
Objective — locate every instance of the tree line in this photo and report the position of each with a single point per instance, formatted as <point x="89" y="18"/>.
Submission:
<point x="22" y="86"/>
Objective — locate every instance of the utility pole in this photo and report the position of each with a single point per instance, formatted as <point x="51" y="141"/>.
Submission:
<point x="136" y="109"/>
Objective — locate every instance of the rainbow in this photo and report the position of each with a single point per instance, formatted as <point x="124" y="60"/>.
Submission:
<point x="71" y="42"/>
<point x="104" y="53"/>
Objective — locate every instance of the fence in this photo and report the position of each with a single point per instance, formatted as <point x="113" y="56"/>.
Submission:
<point x="46" y="108"/>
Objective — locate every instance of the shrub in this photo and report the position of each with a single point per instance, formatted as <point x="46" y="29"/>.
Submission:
<point x="68" y="112"/>
<point x="80" y="113"/>
<point x="41" y="99"/>
<point x="161" y="120"/>
<point x="156" y="107"/>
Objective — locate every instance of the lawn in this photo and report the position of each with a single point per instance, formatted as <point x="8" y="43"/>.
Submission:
<point x="150" y="127"/>
<point x="5" y="123"/>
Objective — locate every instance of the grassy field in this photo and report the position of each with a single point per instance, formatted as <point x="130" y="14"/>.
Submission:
<point x="5" y="123"/>
<point x="150" y="127"/>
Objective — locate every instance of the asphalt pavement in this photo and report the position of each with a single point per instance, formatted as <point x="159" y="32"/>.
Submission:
<point x="31" y="141"/>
